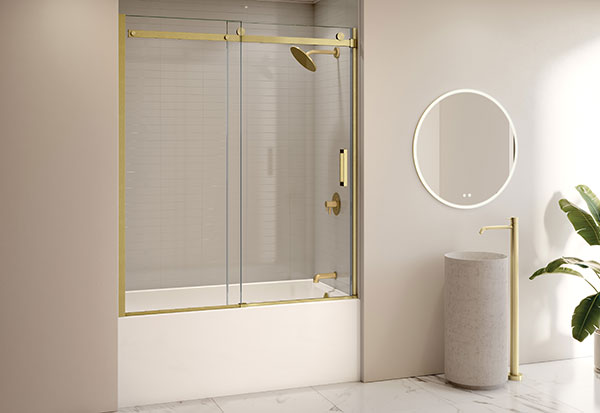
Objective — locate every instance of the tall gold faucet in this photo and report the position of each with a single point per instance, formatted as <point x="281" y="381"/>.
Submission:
<point x="514" y="374"/>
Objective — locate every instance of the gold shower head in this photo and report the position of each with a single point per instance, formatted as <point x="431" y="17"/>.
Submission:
<point x="304" y="57"/>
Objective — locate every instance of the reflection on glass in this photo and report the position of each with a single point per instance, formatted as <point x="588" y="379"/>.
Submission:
<point x="465" y="148"/>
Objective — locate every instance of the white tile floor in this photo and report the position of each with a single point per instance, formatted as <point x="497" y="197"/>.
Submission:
<point x="559" y="386"/>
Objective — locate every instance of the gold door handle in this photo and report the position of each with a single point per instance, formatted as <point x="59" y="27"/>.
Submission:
<point x="343" y="167"/>
<point x="334" y="205"/>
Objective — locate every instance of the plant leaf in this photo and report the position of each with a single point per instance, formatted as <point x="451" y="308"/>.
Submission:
<point x="592" y="265"/>
<point x="591" y="200"/>
<point x="586" y="317"/>
<point x="583" y="222"/>
<point x="558" y="267"/>
<point x="559" y="270"/>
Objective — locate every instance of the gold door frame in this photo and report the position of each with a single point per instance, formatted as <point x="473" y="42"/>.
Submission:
<point x="241" y="37"/>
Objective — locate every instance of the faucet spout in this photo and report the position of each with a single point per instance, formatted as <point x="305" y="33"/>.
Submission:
<point x="324" y="276"/>
<point x="483" y="229"/>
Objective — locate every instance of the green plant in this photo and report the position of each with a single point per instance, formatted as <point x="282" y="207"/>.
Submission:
<point x="586" y="317"/>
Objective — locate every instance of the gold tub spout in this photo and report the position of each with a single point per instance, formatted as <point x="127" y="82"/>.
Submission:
<point x="514" y="295"/>
<point x="324" y="276"/>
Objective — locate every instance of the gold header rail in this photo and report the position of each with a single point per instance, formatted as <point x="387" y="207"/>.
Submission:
<point x="312" y="41"/>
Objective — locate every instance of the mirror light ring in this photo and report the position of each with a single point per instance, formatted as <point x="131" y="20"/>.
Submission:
<point x="416" y="159"/>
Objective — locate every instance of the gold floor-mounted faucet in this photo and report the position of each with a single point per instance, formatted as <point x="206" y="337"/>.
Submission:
<point x="324" y="276"/>
<point x="514" y="374"/>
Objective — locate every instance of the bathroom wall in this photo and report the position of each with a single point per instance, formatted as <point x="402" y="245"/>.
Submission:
<point x="341" y="13"/>
<point x="247" y="10"/>
<point x="541" y="60"/>
<point x="58" y="180"/>
<point x="428" y="148"/>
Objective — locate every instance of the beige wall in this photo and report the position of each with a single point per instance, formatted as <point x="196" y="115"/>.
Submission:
<point x="58" y="214"/>
<point x="541" y="59"/>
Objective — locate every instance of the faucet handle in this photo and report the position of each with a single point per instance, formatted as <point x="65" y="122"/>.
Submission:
<point x="334" y="205"/>
<point x="330" y="205"/>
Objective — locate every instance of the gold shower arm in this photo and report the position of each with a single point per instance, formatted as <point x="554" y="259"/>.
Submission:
<point x="335" y="52"/>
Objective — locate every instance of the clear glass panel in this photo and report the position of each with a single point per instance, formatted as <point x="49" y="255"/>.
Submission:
<point x="234" y="142"/>
<point x="176" y="163"/>
<point x="294" y="124"/>
<point x="231" y="151"/>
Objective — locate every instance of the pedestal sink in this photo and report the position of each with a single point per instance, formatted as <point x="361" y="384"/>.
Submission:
<point x="476" y="307"/>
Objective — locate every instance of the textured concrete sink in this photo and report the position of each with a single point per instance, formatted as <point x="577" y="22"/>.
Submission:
<point x="476" y="307"/>
<point x="475" y="256"/>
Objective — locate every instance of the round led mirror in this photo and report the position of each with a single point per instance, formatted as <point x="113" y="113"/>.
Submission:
<point x="465" y="149"/>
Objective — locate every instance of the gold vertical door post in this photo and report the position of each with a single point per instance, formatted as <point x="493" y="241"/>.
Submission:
<point x="514" y="301"/>
<point x="355" y="182"/>
<point x="514" y="374"/>
<point x="122" y="35"/>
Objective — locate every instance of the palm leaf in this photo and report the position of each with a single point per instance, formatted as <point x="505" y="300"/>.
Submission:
<point x="591" y="200"/>
<point x="583" y="222"/>
<point x="586" y="318"/>
<point x="558" y="267"/>
<point x="559" y="270"/>
<point x="559" y="262"/>
<point x="592" y="265"/>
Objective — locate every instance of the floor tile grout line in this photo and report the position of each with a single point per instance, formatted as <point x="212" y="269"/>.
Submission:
<point x="531" y="391"/>
<point x="417" y="381"/>
<point x="214" y="400"/>
<point x="549" y="395"/>
<point x="323" y="396"/>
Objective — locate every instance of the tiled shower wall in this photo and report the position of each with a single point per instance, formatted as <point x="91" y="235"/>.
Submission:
<point x="182" y="187"/>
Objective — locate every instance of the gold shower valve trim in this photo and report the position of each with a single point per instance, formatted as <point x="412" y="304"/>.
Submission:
<point x="334" y="205"/>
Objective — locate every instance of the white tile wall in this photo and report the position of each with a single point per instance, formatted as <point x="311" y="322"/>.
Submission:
<point x="176" y="125"/>
<point x="246" y="10"/>
<point x="178" y="157"/>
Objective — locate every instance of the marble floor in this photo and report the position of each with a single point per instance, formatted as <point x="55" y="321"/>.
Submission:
<point x="560" y="386"/>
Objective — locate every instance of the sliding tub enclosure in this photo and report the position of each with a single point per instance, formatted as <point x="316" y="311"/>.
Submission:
<point x="238" y="172"/>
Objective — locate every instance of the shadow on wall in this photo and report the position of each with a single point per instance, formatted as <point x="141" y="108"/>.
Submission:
<point x="422" y="283"/>
<point x="567" y="126"/>
<point x="557" y="231"/>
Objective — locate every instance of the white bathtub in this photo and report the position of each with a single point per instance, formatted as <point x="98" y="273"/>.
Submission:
<point x="216" y="295"/>
<point x="183" y="356"/>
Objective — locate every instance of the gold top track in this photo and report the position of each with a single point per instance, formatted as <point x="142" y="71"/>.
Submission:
<point x="151" y="34"/>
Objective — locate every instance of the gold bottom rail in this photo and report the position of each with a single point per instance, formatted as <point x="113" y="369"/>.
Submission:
<point x="241" y="305"/>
